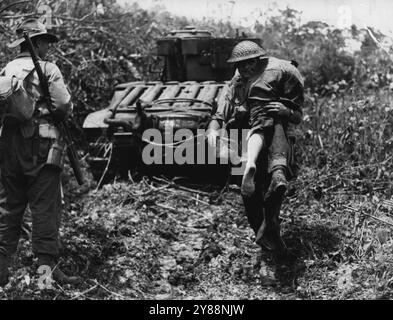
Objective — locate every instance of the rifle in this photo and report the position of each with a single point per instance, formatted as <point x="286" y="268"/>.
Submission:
<point x="61" y="124"/>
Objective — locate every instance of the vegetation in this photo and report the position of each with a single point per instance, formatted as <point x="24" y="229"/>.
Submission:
<point x="143" y="240"/>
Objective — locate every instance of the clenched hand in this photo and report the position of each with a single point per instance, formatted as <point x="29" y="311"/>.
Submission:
<point x="276" y="109"/>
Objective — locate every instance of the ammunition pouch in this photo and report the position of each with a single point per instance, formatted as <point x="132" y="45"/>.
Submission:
<point x="54" y="146"/>
<point x="49" y="131"/>
<point x="56" y="154"/>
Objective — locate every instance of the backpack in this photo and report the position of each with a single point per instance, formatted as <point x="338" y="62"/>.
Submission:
<point x="17" y="103"/>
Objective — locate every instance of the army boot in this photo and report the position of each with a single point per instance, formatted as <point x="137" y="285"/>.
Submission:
<point x="278" y="186"/>
<point x="57" y="275"/>
<point x="4" y="272"/>
<point x="268" y="235"/>
<point x="270" y="239"/>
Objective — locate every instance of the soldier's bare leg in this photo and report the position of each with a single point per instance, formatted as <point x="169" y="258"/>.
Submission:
<point x="268" y="233"/>
<point x="254" y="147"/>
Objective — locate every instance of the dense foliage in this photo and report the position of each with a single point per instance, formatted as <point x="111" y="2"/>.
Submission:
<point x="100" y="49"/>
<point x="337" y="217"/>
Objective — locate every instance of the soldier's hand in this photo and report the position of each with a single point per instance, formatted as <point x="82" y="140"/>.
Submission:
<point x="277" y="109"/>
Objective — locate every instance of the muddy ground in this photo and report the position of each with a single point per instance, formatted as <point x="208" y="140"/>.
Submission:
<point x="155" y="239"/>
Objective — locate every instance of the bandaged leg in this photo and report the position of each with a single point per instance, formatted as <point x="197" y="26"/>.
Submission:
<point x="255" y="145"/>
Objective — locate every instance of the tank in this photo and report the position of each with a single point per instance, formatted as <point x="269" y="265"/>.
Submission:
<point x="193" y="83"/>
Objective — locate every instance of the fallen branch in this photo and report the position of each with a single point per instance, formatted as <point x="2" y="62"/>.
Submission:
<point x="144" y="194"/>
<point x="13" y="4"/>
<point x="163" y="206"/>
<point x="378" y="219"/>
<point x="74" y="19"/>
<point x="170" y="216"/>
<point x="201" y="201"/>
<point x="109" y="291"/>
<point x="154" y="190"/>
<point x="84" y="292"/>
<point x="185" y="196"/>
<point x="61" y="289"/>
<point x="27" y="15"/>
<point x="369" y="215"/>
<point x="175" y="185"/>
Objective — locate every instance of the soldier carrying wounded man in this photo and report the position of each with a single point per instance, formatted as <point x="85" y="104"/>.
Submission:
<point x="265" y="95"/>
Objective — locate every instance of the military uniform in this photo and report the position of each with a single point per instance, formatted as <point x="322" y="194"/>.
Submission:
<point x="25" y="174"/>
<point x="278" y="82"/>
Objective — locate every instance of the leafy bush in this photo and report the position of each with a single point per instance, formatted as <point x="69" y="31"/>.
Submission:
<point x="344" y="151"/>
<point x="101" y="49"/>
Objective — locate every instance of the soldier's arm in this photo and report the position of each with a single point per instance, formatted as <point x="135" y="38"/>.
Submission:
<point x="294" y="88"/>
<point x="218" y="120"/>
<point x="223" y="114"/>
<point x="60" y="96"/>
<point x="225" y="110"/>
<point x="279" y="109"/>
<point x="286" y="84"/>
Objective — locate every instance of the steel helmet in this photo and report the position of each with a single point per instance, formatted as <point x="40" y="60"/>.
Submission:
<point x="245" y="50"/>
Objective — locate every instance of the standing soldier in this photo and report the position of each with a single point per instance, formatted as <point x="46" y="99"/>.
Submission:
<point x="265" y="94"/>
<point x="29" y="174"/>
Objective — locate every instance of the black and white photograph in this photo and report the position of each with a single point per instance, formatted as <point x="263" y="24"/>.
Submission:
<point x="196" y="155"/>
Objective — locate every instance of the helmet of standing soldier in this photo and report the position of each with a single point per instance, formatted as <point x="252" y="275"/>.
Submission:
<point x="35" y="29"/>
<point x="246" y="50"/>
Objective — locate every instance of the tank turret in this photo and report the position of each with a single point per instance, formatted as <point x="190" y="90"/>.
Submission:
<point x="195" y="55"/>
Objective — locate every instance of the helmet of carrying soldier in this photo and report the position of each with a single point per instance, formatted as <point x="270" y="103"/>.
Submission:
<point x="246" y="50"/>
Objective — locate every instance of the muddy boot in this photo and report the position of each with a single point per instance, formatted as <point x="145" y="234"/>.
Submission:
<point x="266" y="269"/>
<point x="278" y="186"/>
<point x="57" y="275"/>
<point x="284" y="257"/>
<point x="268" y="236"/>
<point x="267" y="275"/>
<point x="270" y="240"/>
<point x="4" y="272"/>
<point x="248" y="183"/>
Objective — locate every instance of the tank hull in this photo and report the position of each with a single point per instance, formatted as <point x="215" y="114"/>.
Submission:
<point x="176" y="112"/>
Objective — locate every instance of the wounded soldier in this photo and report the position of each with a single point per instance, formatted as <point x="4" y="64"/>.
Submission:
<point x="265" y="95"/>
